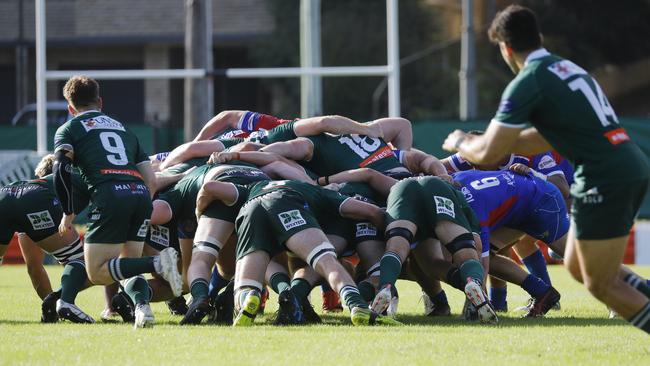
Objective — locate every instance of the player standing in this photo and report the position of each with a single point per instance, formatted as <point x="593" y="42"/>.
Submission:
<point x="119" y="176"/>
<point x="570" y="113"/>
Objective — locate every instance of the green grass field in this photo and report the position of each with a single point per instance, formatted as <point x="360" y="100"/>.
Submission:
<point x="579" y="334"/>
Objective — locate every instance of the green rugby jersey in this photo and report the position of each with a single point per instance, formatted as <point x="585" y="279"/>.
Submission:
<point x="182" y="196"/>
<point x="33" y="208"/>
<point x="321" y="201"/>
<point x="334" y="154"/>
<point x="568" y="108"/>
<point x="104" y="150"/>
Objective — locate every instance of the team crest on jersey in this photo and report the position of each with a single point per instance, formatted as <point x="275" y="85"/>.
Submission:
<point x="291" y="219"/>
<point x="41" y="220"/>
<point x="546" y="162"/>
<point x="506" y="106"/>
<point x="366" y="229"/>
<point x="142" y="231"/>
<point x="159" y="235"/>
<point x="565" y="69"/>
<point x="101" y="123"/>
<point x="444" y="206"/>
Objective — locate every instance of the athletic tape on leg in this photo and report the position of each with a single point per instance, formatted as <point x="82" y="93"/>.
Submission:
<point x="319" y="252"/>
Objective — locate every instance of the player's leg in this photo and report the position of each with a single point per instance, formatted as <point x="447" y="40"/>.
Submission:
<point x="600" y="266"/>
<point x="313" y="247"/>
<point x="290" y="308"/>
<point x="544" y="295"/>
<point x="249" y="282"/>
<point x="370" y="253"/>
<point x="434" y="297"/>
<point x="532" y="257"/>
<point x="460" y="243"/>
<point x="399" y="235"/>
<point x="211" y="236"/>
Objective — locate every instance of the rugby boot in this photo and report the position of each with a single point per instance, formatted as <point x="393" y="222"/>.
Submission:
<point x="169" y="270"/>
<point x="248" y="308"/>
<point x="223" y="306"/>
<point x="143" y="317"/>
<point x="477" y="297"/>
<point x="311" y="317"/>
<point x="48" y="308"/>
<point x="177" y="306"/>
<point x="431" y="309"/>
<point x="331" y="302"/>
<point x="72" y="313"/>
<point x="289" y="311"/>
<point x="109" y="316"/>
<point x="383" y="299"/>
<point x="542" y="304"/>
<point x="265" y="297"/>
<point x="198" y="309"/>
<point x="123" y="305"/>
<point x="365" y="316"/>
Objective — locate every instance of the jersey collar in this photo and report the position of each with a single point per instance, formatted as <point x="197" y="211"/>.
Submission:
<point x="538" y="53"/>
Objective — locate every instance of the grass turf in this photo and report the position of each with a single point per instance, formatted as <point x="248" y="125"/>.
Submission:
<point x="579" y="334"/>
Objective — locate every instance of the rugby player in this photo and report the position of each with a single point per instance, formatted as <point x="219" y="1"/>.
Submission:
<point x="119" y="175"/>
<point x="570" y="113"/>
<point x="289" y="209"/>
<point x="31" y="208"/>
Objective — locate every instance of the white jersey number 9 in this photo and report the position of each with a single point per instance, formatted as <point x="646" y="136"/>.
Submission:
<point x="486" y="182"/>
<point x="112" y="142"/>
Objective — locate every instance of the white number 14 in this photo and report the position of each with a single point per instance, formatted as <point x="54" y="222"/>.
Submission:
<point x="599" y="103"/>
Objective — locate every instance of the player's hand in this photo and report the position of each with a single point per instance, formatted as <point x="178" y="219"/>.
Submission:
<point x="520" y="168"/>
<point x="203" y="200"/>
<point x="66" y="224"/>
<point x="447" y="178"/>
<point x="453" y="140"/>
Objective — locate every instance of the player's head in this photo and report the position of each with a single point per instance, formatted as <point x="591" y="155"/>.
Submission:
<point x="44" y="166"/>
<point x="515" y="30"/>
<point x="82" y="94"/>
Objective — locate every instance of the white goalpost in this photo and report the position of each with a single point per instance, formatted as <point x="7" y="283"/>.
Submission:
<point x="390" y="70"/>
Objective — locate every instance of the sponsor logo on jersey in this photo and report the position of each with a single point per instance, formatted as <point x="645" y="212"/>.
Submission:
<point x="506" y="106"/>
<point x="565" y="69"/>
<point x="95" y="214"/>
<point x="291" y="219"/>
<point x="142" y="231"/>
<point x="546" y="162"/>
<point x="469" y="197"/>
<point x="444" y="206"/>
<point x="159" y="235"/>
<point x="384" y="152"/>
<point x="41" y="220"/>
<point x="101" y="123"/>
<point x="366" y="229"/>
<point x="592" y="197"/>
<point x="617" y="136"/>
<point x="131" y="172"/>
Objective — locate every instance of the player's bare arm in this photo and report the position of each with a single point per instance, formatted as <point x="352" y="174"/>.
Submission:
<point x="488" y="148"/>
<point x="61" y="169"/>
<point x="378" y="181"/>
<point x="359" y="210"/>
<point x="219" y="123"/>
<point x="190" y="150"/>
<point x="213" y="190"/>
<point x="298" y="149"/>
<point x="395" y="130"/>
<point x="530" y="142"/>
<point x="337" y="125"/>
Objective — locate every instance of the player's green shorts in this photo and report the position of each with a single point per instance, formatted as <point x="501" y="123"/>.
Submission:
<point x="119" y="212"/>
<point x="268" y="221"/>
<point x="607" y="210"/>
<point x="424" y="203"/>
<point x="220" y="211"/>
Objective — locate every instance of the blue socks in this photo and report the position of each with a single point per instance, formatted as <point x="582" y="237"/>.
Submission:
<point x="216" y="284"/>
<point x="498" y="298"/>
<point x="535" y="286"/>
<point x="536" y="265"/>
